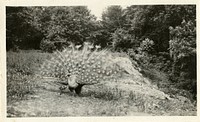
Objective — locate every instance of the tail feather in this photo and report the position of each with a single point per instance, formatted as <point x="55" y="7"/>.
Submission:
<point x="89" y="67"/>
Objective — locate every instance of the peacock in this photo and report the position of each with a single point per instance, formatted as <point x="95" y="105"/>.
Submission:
<point x="76" y="66"/>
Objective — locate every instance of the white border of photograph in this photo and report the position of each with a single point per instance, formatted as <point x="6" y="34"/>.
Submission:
<point x="94" y="3"/>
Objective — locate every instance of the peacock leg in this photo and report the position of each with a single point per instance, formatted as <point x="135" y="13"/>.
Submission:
<point x="78" y="89"/>
<point x="62" y="88"/>
<point x="71" y="89"/>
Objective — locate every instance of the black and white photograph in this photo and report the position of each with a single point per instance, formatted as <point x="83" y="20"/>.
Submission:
<point x="101" y="61"/>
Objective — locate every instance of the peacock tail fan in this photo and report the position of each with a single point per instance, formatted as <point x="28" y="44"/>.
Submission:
<point x="89" y="67"/>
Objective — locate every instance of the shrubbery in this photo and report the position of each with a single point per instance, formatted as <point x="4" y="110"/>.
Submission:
<point x="179" y="73"/>
<point x="183" y="53"/>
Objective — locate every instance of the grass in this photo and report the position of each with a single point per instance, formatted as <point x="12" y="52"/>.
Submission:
<point x="20" y="72"/>
<point x="103" y="101"/>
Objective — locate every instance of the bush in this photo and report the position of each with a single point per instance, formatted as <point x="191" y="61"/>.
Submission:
<point x="121" y="40"/>
<point x="47" y="46"/>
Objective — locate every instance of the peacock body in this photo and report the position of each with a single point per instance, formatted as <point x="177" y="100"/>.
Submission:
<point x="78" y="67"/>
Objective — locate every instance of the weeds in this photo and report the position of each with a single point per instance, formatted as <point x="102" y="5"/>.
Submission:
<point x="20" y="73"/>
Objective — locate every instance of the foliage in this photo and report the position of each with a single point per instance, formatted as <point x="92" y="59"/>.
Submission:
<point x="67" y="24"/>
<point x="121" y="39"/>
<point x="112" y="22"/>
<point x="153" y="22"/>
<point x="183" y="40"/>
<point x="19" y="32"/>
<point x="142" y="54"/>
<point x="77" y="25"/>
<point x="112" y="18"/>
<point x="47" y="46"/>
<point x="162" y="24"/>
<point x="56" y="24"/>
<point x="183" y="51"/>
<point x="147" y="45"/>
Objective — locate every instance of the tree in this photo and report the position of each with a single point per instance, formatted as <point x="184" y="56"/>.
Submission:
<point x="183" y="42"/>
<point x="67" y="24"/>
<point x="153" y="22"/>
<point x="112" y="19"/>
<point x="183" y="51"/>
<point x="122" y="40"/>
<point x="55" y="26"/>
<point x="19" y="32"/>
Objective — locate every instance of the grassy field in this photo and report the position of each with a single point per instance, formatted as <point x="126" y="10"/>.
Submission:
<point x="28" y="96"/>
<point x="20" y="71"/>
